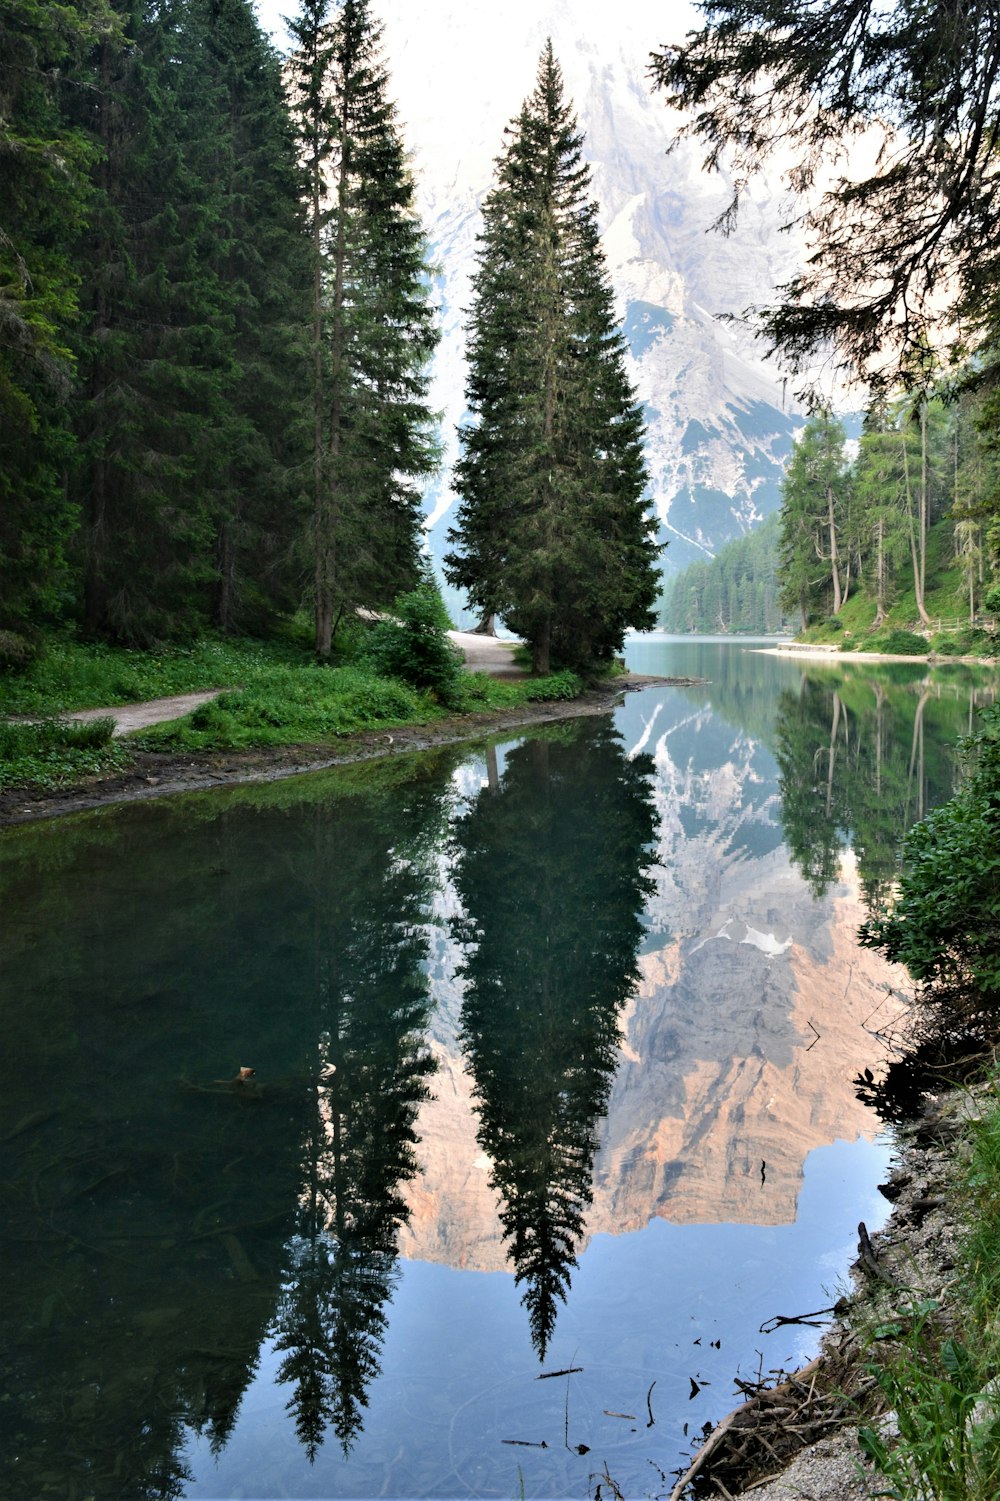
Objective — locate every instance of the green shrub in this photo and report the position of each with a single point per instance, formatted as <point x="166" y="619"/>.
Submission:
<point x="945" y="925"/>
<point x="931" y="1384"/>
<point x="946" y="644"/>
<point x="895" y="643"/>
<point x="973" y="641"/>
<point x="16" y="651"/>
<point x="414" y="646"/>
<point x="558" y="685"/>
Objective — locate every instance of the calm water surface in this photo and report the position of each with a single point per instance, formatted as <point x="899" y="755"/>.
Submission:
<point x="554" y="1045"/>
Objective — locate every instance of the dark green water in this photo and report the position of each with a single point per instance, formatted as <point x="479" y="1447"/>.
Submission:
<point x="561" y="984"/>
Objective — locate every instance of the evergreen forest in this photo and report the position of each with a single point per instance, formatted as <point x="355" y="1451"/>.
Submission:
<point x="216" y="322"/>
<point x="885" y="543"/>
<point x="736" y="592"/>
<point x="902" y="535"/>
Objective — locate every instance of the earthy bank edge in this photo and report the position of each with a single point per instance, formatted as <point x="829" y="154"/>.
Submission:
<point x="158" y="775"/>
<point x="916" y="1250"/>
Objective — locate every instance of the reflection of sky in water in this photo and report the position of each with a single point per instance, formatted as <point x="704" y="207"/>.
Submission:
<point x="459" y="1375"/>
<point x="739" y="1045"/>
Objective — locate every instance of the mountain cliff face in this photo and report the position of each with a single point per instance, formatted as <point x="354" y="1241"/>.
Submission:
<point x="719" y="424"/>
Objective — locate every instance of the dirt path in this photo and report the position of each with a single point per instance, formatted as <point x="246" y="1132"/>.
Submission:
<point x="487" y="654"/>
<point x="129" y="717"/>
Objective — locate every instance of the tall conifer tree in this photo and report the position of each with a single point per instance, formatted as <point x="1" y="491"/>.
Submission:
<point x="151" y="354"/>
<point x="45" y="160"/>
<point x="240" y="144"/>
<point x="553" y="532"/>
<point x="373" y="324"/>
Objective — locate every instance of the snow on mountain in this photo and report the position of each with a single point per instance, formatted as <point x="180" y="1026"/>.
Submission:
<point x="719" y="425"/>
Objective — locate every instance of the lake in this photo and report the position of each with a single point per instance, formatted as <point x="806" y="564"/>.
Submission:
<point x="554" y="1044"/>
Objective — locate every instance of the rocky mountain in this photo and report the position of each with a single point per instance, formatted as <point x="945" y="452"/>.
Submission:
<point x="720" y="426"/>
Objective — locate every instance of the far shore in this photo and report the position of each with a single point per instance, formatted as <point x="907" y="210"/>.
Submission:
<point x="821" y="652"/>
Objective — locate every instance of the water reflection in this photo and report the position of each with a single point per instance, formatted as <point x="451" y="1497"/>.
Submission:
<point x="550" y="869"/>
<point x="863" y="755"/>
<point x="157" y="1215"/>
<point x="233" y="1273"/>
<point x="365" y="890"/>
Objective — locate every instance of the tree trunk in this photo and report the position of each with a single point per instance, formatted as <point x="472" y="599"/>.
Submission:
<point x="924" y="505"/>
<point x="917" y="557"/>
<point x="540" y="650"/>
<point x="880" y="573"/>
<point x="323" y="601"/>
<point x="834" y="564"/>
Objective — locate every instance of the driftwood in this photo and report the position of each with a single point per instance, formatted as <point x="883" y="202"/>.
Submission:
<point x="767" y="1395"/>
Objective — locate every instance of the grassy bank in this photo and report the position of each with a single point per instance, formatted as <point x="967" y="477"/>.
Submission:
<point x="938" y="1364"/>
<point x="276" y="694"/>
<point x="935" y="1361"/>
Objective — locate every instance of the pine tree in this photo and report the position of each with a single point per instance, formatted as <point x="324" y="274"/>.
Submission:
<point x="879" y="481"/>
<point x="45" y="161"/>
<point x="813" y="497"/>
<point x="152" y="357"/>
<point x="553" y="532"/>
<point x="240" y="146"/>
<point x="372" y="320"/>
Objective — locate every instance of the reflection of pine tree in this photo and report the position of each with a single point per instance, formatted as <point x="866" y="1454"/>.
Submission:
<point x="373" y="1002"/>
<point x="551" y="872"/>
<point x="860" y="761"/>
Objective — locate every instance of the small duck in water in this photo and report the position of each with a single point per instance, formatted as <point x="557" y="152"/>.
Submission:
<point x="244" y="1076"/>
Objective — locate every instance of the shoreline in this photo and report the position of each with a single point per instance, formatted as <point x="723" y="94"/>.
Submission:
<point x="820" y="652"/>
<point x="156" y="774"/>
<point x="914" y="1253"/>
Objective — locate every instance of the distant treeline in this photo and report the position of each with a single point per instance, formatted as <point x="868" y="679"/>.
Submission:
<point x="736" y="591"/>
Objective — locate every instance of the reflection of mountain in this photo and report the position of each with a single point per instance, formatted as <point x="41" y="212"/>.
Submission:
<point x="721" y="1068"/>
<point x="724" y="1071"/>
<point x="153" y="1217"/>
<point x="549" y="870"/>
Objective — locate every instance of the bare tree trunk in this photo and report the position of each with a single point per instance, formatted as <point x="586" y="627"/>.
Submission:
<point x="834" y="563"/>
<point x="880" y="573"/>
<point x="924" y="503"/>
<point x="917" y="557"/>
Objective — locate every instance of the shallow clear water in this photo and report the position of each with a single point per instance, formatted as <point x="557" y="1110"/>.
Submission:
<point x="554" y="1046"/>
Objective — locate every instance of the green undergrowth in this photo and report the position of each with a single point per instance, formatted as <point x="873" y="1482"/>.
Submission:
<point x="315" y="706"/>
<point x="53" y="754"/>
<point x="275" y="694"/>
<point x="68" y="675"/>
<point x="946" y="603"/>
<point x="938" y="1367"/>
